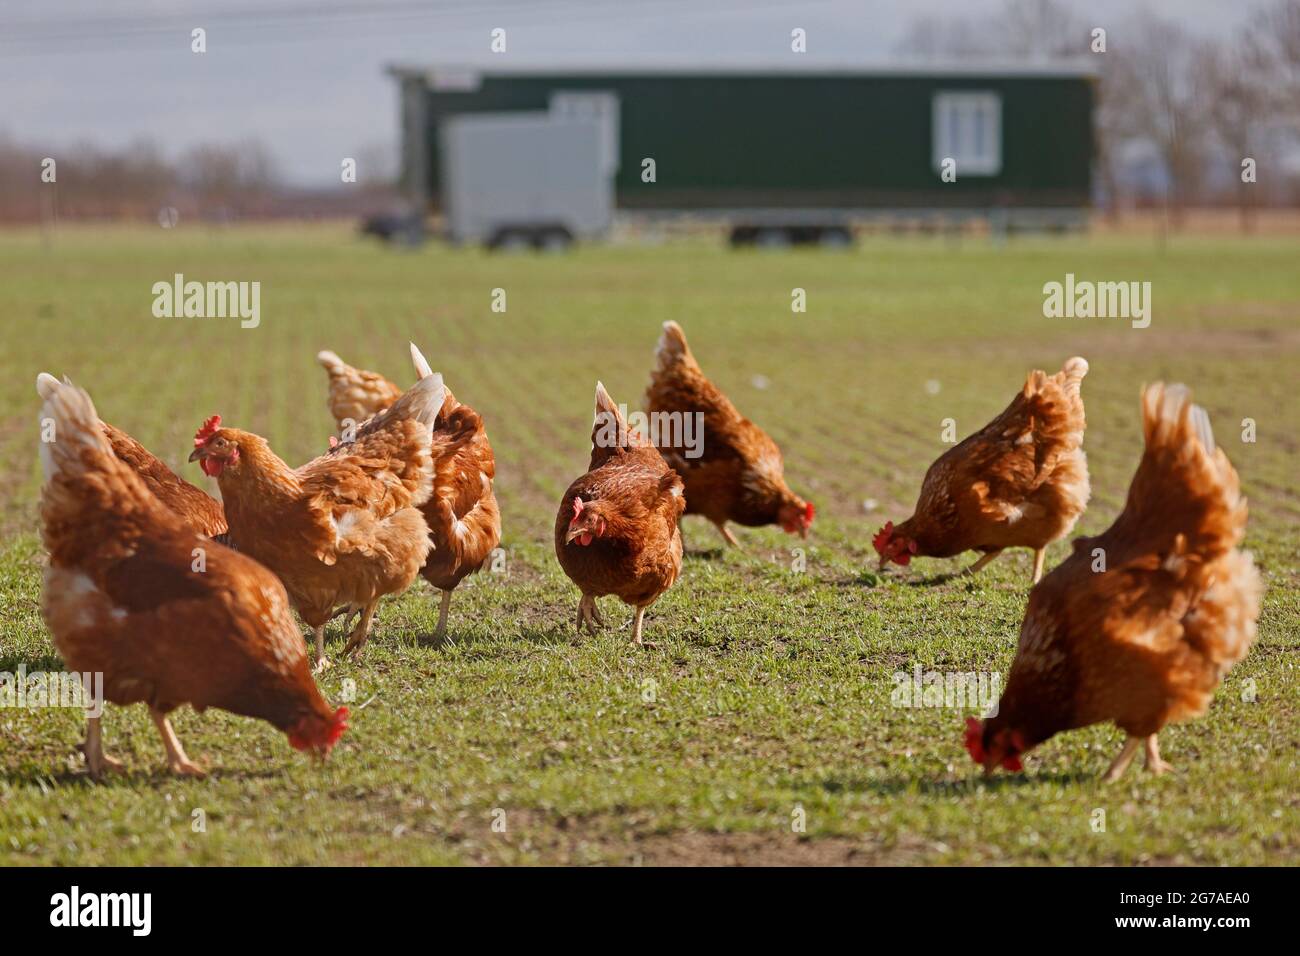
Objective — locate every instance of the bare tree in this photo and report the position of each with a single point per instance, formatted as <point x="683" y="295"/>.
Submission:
<point x="1272" y="45"/>
<point x="1168" y="100"/>
<point x="1238" y="104"/>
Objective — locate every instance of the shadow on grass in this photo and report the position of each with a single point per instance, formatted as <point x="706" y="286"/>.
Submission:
<point x="954" y="788"/>
<point x="935" y="580"/>
<point x="707" y="554"/>
<point x="45" y="663"/>
<point x="148" y="771"/>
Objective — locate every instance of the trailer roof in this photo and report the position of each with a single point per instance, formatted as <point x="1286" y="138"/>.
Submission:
<point x="792" y="66"/>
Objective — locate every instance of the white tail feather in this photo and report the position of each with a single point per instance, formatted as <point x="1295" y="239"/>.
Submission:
<point x="422" y="368"/>
<point x="330" y="360"/>
<point x="47" y="385"/>
<point x="75" y="428"/>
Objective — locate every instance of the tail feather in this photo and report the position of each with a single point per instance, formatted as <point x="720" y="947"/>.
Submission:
<point x="1181" y="454"/>
<point x="1187" y="492"/>
<point x="422" y="369"/>
<point x="605" y="406"/>
<point x="47" y="385"/>
<point x="422" y="402"/>
<point x="72" y="441"/>
<point x="1074" y="370"/>
<point x="1170" y="419"/>
<point x="672" y="347"/>
<point x="332" y="363"/>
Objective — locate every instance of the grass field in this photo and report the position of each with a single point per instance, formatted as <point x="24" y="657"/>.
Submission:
<point x="770" y="688"/>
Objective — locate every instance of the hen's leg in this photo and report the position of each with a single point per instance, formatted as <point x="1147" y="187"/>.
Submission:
<point x="361" y="633"/>
<point x="1121" y="762"/>
<point x="726" y="534"/>
<point x="587" y="614"/>
<point x="637" y="618"/>
<point x="176" y="759"/>
<point x="1040" y="555"/>
<point x="322" y="662"/>
<point x="441" y="630"/>
<point x="982" y="561"/>
<point x="96" y="760"/>
<point x="349" y="613"/>
<point x="1154" y="763"/>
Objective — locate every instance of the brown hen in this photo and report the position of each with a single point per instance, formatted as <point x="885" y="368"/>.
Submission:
<point x="201" y="512"/>
<point x="355" y="394"/>
<point x="736" y="473"/>
<point x="1021" y="481"/>
<point x="1141" y="623"/>
<point x="345" y="528"/>
<point x="616" y="531"/>
<point x="167" y="617"/>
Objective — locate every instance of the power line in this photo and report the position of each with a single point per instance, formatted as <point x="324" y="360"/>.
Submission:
<point x="266" y="26"/>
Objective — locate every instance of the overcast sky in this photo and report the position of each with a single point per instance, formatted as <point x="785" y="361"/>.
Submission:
<point x="311" y="84"/>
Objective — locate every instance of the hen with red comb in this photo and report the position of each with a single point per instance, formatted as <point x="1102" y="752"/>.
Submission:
<point x="1019" y="482"/>
<point x="732" y="469"/>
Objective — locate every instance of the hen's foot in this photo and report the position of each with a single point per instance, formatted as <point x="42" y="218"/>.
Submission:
<point x="589" y="615"/>
<point x="1120" y="764"/>
<point x="322" y="665"/>
<point x="177" y="761"/>
<point x="1040" y="555"/>
<point x="979" y="565"/>
<point x="1154" y="764"/>
<point x="360" y="634"/>
<point x="727" y="535"/>
<point x="183" y="766"/>
<point x="98" y="761"/>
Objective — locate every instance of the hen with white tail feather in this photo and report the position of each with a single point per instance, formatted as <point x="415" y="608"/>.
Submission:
<point x="1141" y="623"/>
<point x="344" y="529"/>
<point x="168" y="617"/>
<point x="198" y="509"/>
<point x="616" y="531"/>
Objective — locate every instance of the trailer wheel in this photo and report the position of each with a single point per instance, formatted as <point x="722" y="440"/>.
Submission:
<point x="508" y="240"/>
<point x="835" y="237"/>
<point x="772" y="238"/>
<point x="553" y="239"/>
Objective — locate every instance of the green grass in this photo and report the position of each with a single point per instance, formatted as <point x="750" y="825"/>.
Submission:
<point x="770" y="688"/>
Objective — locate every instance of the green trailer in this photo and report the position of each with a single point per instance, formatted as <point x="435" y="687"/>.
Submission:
<point x="792" y="153"/>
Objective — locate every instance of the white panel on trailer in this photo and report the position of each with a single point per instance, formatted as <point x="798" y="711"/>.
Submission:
<point x="525" y="171"/>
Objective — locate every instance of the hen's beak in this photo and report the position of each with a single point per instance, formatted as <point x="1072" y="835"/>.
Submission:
<point x="573" y="533"/>
<point x="200" y="452"/>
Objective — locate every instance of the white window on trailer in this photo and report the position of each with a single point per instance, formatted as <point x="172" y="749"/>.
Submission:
<point x="600" y="106"/>
<point x="967" y="127"/>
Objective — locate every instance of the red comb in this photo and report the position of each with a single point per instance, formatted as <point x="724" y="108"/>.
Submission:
<point x="207" y="431"/>
<point x="882" y="537"/>
<point x="577" y="510"/>
<point x="340" y="725"/>
<point x="975" y="739"/>
<point x="808" y="513"/>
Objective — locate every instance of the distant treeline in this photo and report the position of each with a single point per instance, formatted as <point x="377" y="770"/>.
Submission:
<point x="211" y="182"/>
